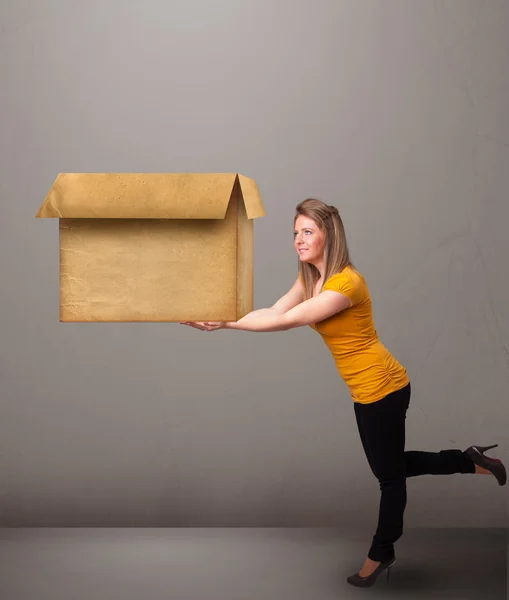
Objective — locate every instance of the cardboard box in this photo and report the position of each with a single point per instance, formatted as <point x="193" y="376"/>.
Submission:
<point x="154" y="246"/>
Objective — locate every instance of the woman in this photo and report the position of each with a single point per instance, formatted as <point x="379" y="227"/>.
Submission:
<point x="332" y="297"/>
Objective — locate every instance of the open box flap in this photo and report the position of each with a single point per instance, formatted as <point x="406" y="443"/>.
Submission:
<point x="147" y="196"/>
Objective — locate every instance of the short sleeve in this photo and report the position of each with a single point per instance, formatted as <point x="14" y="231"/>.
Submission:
<point x="351" y="285"/>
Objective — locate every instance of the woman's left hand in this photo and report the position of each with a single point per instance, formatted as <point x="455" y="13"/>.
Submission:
<point x="205" y="325"/>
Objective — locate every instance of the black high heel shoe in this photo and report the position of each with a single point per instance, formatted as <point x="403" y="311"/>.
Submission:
<point x="359" y="581"/>
<point x="494" y="465"/>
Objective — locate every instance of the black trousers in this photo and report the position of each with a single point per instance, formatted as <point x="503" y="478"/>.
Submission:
<point x="381" y="426"/>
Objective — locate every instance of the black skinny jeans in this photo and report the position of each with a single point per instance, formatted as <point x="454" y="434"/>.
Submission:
<point x="381" y="426"/>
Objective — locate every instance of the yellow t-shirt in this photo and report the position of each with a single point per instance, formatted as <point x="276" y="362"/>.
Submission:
<point x="367" y="367"/>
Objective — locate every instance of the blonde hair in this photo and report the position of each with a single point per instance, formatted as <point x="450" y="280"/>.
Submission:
<point x="335" y="250"/>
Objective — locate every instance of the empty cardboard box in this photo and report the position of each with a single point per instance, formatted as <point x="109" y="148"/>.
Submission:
<point x="154" y="246"/>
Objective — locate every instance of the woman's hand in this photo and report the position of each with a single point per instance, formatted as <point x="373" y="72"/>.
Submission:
<point x="205" y="325"/>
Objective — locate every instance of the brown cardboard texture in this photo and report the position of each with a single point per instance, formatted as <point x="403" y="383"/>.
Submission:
<point x="154" y="246"/>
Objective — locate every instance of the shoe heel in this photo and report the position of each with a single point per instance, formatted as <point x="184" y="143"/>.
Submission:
<point x="388" y="573"/>
<point x="482" y="449"/>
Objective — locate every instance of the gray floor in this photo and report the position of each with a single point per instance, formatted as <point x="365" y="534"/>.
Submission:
<point x="243" y="564"/>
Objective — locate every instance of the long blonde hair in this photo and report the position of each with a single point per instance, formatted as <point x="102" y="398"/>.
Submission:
<point x="335" y="250"/>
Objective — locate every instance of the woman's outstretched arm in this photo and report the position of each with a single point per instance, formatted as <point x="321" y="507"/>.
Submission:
<point x="314" y="310"/>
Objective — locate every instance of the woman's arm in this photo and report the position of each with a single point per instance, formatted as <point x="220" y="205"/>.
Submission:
<point x="314" y="310"/>
<point x="261" y="312"/>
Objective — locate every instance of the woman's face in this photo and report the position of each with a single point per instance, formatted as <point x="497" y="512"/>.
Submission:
<point x="308" y="239"/>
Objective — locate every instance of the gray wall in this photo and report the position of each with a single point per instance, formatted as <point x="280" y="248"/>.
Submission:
<point x="393" y="111"/>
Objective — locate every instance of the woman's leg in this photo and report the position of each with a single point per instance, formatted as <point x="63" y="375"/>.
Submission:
<point x="382" y="431"/>
<point x="445" y="462"/>
<point x="382" y="428"/>
<point x="362" y="434"/>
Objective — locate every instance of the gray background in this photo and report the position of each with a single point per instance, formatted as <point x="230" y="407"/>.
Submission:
<point x="393" y="111"/>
